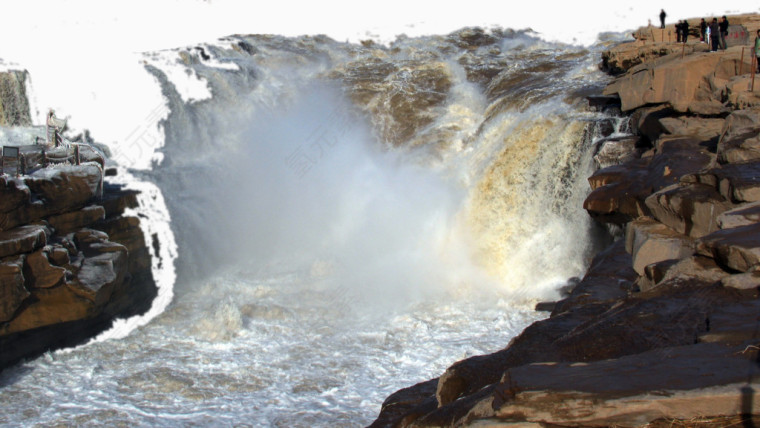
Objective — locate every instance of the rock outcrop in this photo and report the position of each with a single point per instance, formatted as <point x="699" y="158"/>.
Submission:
<point x="664" y="327"/>
<point x="70" y="261"/>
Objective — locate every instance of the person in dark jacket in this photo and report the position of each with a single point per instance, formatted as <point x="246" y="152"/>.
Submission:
<point x="714" y="35"/>
<point x="684" y="31"/>
<point x="662" y="18"/>
<point x="678" y="32"/>
<point x="702" y="30"/>
<point x="723" y="32"/>
<point x="757" y="51"/>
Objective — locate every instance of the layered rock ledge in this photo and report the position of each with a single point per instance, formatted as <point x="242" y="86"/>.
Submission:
<point x="664" y="328"/>
<point x="71" y="260"/>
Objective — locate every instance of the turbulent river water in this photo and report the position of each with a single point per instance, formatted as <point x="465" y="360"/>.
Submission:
<point x="350" y="219"/>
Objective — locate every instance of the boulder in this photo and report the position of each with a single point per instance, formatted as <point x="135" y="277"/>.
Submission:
<point x="65" y="188"/>
<point x="737" y="248"/>
<point x="50" y="306"/>
<point x="672" y="80"/>
<point x="738" y="182"/>
<point x="406" y="405"/>
<point x="619" y="192"/>
<point x="649" y="241"/>
<point x="58" y="255"/>
<point x="127" y="231"/>
<point x="738" y="121"/>
<point x="94" y="242"/>
<point x="15" y="193"/>
<point x="674" y="273"/>
<point x="55" y="191"/>
<point x="743" y="281"/>
<point x="74" y="220"/>
<point x="100" y="274"/>
<point x="38" y="272"/>
<point x="635" y="170"/>
<point x="700" y="128"/>
<point x="616" y="151"/>
<point x="625" y="56"/>
<point x="741" y="146"/>
<point x="12" y="290"/>
<point x="23" y="239"/>
<point x="738" y="95"/>
<point x="741" y="215"/>
<point x="690" y="209"/>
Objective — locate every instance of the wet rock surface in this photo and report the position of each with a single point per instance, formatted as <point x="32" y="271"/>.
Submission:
<point x="665" y="325"/>
<point x="70" y="260"/>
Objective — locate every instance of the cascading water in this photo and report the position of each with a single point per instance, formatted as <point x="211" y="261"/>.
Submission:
<point x="350" y="219"/>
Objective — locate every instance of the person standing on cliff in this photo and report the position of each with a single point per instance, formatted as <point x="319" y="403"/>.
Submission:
<point x="723" y="32"/>
<point x="662" y="18"/>
<point x="702" y="30"/>
<point x="714" y="35"/>
<point x="678" y="31"/>
<point x="757" y="52"/>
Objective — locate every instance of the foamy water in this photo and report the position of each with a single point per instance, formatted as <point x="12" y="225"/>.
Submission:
<point x="341" y="221"/>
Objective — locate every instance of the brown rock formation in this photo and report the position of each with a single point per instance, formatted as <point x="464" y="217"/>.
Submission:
<point x="62" y="281"/>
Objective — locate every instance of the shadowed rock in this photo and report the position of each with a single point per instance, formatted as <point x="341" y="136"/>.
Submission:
<point x="682" y="383"/>
<point x="738" y="182"/>
<point x="740" y="216"/>
<point x="619" y="192"/>
<point x="650" y="241"/>
<point x="742" y="146"/>
<point x="38" y="272"/>
<point x="737" y="248"/>
<point x="703" y="129"/>
<point x="616" y="151"/>
<point x="743" y="281"/>
<point x="74" y="220"/>
<point x="406" y="405"/>
<point x="683" y="271"/>
<point x="608" y="279"/>
<point x="690" y="84"/>
<point x="14" y="192"/>
<point x="24" y="239"/>
<point x="54" y="191"/>
<point x="690" y="209"/>
<point x="12" y="291"/>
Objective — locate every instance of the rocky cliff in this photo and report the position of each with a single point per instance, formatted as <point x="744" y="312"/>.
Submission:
<point x="14" y="104"/>
<point x="663" y="329"/>
<point x="71" y="260"/>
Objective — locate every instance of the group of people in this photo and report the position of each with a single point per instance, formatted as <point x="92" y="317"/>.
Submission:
<point x="713" y="33"/>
